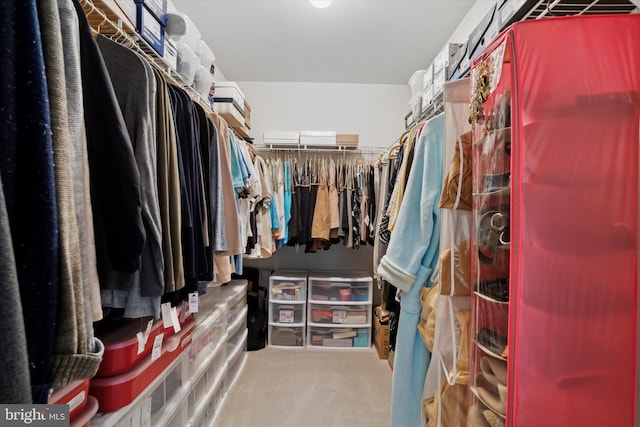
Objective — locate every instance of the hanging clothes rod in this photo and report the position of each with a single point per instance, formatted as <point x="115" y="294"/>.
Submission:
<point x="333" y="149"/>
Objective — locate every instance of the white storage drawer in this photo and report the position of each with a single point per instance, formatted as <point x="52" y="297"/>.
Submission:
<point x="283" y="336"/>
<point x="324" y="290"/>
<point x="203" y="383"/>
<point x="340" y="337"/>
<point x="288" y="286"/>
<point x="286" y="313"/>
<point x="339" y="314"/>
<point x="208" y="336"/>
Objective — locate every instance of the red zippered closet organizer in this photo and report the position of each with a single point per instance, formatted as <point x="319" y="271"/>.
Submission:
<point x="572" y="318"/>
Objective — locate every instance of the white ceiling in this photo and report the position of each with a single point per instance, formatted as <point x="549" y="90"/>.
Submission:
<point x="351" y="41"/>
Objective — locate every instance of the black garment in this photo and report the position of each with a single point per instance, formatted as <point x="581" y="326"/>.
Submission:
<point x="372" y="207"/>
<point x="208" y="152"/>
<point x="191" y="176"/>
<point x="305" y="214"/>
<point x="294" y="222"/>
<point x="344" y="215"/>
<point x="356" y="214"/>
<point x="313" y="196"/>
<point x="26" y="165"/>
<point x="115" y="181"/>
<point x="185" y="199"/>
<point x="135" y="88"/>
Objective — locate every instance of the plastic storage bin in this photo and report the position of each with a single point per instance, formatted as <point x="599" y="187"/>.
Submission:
<point x="416" y="82"/>
<point x="153" y="405"/>
<point x="205" y="54"/>
<point x="122" y="350"/>
<point x="117" y="392"/>
<point x="202" y="81"/>
<point x="288" y="285"/>
<point x="183" y="30"/>
<point x="282" y="336"/>
<point x="340" y="337"/>
<point x="209" y="337"/>
<point x="340" y="314"/>
<point x="188" y="62"/>
<point x="287" y="313"/>
<point x="75" y="395"/>
<point x="83" y="418"/>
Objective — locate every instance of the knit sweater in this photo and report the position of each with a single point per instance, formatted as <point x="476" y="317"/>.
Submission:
<point x="70" y="360"/>
<point x="26" y="166"/>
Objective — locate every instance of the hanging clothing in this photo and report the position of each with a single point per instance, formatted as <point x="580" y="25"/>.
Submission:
<point x="334" y="203"/>
<point x="14" y="375"/>
<point x="135" y="88"/>
<point x="71" y="361"/>
<point x="229" y="195"/>
<point x="321" y="224"/>
<point x="26" y="166"/>
<point x="287" y="200"/>
<point x="409" y="264"/>
<point x="114" y="176"/>
<point x="169" y="190"/>
<point x="70" y="32"/>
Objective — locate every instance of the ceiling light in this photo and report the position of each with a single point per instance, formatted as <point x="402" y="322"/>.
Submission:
<point x="321" y="4"/>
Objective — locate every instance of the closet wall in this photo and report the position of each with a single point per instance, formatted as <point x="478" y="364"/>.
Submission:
<point x="375" y="112"/>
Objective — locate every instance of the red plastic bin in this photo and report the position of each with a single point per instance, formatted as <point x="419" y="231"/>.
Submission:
<point x="75" y="395"/>
<point x="121" y="345"/>
<point x="116" y="392"/>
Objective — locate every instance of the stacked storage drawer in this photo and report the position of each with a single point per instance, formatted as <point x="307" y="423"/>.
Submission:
<point x="81" y="406"/>
<point x="152" y="392"/>
<point x="287" y="309"/>
<point x="234" y="354"/>
<point x="339" y="309"/>
<point x="207" y="366"/>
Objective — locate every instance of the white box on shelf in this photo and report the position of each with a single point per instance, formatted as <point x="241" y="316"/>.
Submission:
<point x="230" y="90"/>
<point x="427" y="97"/>
<point x="170" y="53"/>
<point x="445" y="57"/>
<point x="415" y="103"/>
<point x="427" y="78"/>
<point x="438" y="83"/>
<point x="317" y="138"/>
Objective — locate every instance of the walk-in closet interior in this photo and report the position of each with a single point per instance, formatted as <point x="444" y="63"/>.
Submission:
<point x="305" y="213"/>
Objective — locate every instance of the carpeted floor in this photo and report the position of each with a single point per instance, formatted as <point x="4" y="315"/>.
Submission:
<point x="310" y="388"/>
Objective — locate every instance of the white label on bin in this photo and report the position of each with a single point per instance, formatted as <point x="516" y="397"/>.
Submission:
<point x="193" y="302"/>
<point x="142" y="340"/>
<point x="339" y="316"/>
<point x="157" y="347"/>
<point x="175" y="322"/>
<point x="166" y="315"/>
<point x="286" y="316"/>
<point x="147" y="332"/>
<point x="77" y="400"/>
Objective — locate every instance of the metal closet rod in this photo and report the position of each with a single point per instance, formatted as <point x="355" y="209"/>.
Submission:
<point x="339" y="149"/>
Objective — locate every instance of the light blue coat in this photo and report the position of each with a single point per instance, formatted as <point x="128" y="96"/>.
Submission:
<point x="409" y="263"/>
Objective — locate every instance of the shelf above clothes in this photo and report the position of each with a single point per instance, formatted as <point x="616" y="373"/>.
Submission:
<point x="106" y="18"/>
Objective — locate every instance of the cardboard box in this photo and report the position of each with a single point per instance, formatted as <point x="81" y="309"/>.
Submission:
<point x="150" y="28"/>
<point x="157" y="7"/>
<point x="347" y="139"/>
<point x="381" y="338"/>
